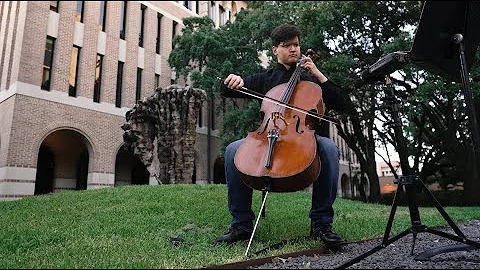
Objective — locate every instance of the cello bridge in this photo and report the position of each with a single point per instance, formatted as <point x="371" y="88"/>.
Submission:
<point x="277" y="115"/>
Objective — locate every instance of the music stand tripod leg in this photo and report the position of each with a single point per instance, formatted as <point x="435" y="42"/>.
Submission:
<point x="386" y="241"/>
<point x="465" y="243"/>
<point x="410" y="182"/>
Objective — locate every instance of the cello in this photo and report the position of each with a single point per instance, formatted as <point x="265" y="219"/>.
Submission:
<point x="281" y="155"/>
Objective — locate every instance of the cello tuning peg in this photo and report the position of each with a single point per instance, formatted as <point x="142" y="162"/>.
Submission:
<point x="312" y="54"/>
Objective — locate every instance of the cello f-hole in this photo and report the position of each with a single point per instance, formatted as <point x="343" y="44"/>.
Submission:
<point x="297" y="126"/>
<point x="265" y="128"/>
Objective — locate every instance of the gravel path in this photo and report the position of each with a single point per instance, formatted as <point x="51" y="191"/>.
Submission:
<point x="396" y="255"/>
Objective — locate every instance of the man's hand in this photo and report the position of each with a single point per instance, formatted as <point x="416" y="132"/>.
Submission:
<point x="310" y="66"/>
<point x="233" y="81"/>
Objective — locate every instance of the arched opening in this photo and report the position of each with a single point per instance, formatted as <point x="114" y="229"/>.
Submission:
<point x="45" y="170"/>
<point x="82" y="171"/>
<point x="345" y="183"/>
<point x="62" y="162"/>
<point x="140" y="174"/>
<point x="129" y="169"/>
<point x="219" y="171"/>
<point x="194" y="174"/>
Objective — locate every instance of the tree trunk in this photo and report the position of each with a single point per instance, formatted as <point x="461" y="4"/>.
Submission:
<point x="471" y="182"/>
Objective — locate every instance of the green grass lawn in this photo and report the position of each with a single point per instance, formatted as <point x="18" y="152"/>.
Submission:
<point x="131" y="226"/>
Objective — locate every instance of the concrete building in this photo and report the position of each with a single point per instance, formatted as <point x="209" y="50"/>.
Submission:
<point x="349" y="166"/>
<point x="386" y="177"/>
<point x="71" y="70"/>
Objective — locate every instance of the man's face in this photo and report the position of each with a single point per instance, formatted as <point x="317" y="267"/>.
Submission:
<point x="287" y="52"/>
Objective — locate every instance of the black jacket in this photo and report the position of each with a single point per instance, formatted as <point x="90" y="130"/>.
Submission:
<point x="261" y="82"/>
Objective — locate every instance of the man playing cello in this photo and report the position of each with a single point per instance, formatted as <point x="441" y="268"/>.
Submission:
<point x="286" y="47"/>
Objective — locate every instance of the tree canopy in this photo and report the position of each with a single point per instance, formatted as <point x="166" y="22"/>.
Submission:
<point x="348" y="37"/>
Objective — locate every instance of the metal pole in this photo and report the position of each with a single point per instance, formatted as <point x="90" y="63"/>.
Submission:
<point x="458" y="39"/>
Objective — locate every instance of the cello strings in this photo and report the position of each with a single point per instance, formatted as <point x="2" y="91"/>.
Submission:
<point x="287" y="94"/>
<point x="290" y="86"/>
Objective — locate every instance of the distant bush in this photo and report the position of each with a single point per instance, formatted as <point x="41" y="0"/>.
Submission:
<point x="444" y="197"/>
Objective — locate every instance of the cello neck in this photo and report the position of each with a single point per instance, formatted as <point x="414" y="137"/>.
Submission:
<point x="287" y="94"/>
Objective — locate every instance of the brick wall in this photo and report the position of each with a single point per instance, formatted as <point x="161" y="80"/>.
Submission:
<point x="6" y="118"/>
<point x="63" y="46"/>
<point x="31" y="60"/>
<point x="28" y="114"/>
<point x="35" y="118"/>
<point x="110" y="60"/>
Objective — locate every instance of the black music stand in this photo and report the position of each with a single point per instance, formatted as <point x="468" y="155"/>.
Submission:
<point x="442" y="27"/>
<point x="445" y="43"/>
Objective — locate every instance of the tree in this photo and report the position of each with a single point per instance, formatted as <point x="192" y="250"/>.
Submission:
<point x="348" y="37"/>
<point x="207" y="53"/>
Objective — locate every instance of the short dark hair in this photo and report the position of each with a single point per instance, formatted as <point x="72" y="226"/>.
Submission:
<point x="284" y="32"/>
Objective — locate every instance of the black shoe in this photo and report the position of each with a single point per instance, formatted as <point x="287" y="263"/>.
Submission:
<point x="231" y="236"/>
<point x="332" y="240"/>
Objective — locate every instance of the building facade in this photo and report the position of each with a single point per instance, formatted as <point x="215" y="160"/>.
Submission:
<point x="70" y="72"/>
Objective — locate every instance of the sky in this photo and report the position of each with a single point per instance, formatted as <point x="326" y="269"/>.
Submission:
<point x="383" y="152"/>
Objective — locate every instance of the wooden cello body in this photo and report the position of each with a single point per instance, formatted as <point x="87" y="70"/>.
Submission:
<point x="281" y="155"/>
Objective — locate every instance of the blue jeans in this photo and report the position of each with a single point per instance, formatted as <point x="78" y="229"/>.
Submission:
<point x="323" y="195"/>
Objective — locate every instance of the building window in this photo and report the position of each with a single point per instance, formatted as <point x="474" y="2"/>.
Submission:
<point x="159" y="31"/>
<point x="47" y="63"/>
<point x="102" y="19"/>
<point x="72" y="80"/>
<point x="188" y="4"/>
<point x="138" y="91"/>
<point x="212" y="115"/>
<point x="142" y="25"/>
<point x="118" y="93"/>
<point x="54" y="6"/>
<point x="223" y="16"/>
<point x="79" y="15"/>
<point x="173" y="77"/>
<point x="174" y="30"/>
<point x="123" y="19"/>
<point x="212" y="11"/>
<point x="157" y="80"/>
<point x="200" y="117"/>
<point x="98" y="78"/>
